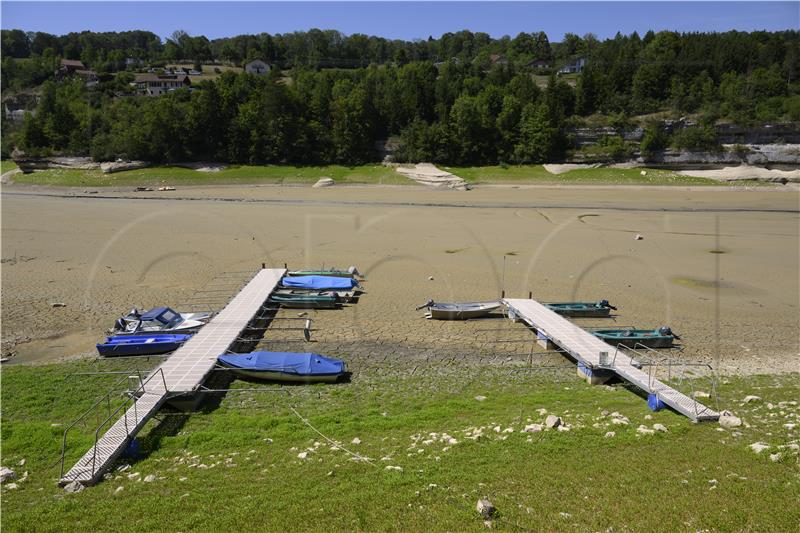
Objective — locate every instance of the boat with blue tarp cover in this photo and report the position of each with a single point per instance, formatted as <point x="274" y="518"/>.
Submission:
<point x="319" y="283"/>
<point x="126" y="345"/>
<point x="286" y="366"/>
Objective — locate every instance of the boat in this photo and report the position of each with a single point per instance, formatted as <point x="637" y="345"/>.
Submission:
<point x="582" y="309"/>
<point x="344" y="296"/>
<point x="159" y="320"/>
<point x="286" y="366"/>
<point x="349" y="273"/>
<point x="458" y="311"/>
<point x="126" y="345"/>
<point x="306" y="301"/>
<point x="662" y="337"/>
<point x="322" y="283"/>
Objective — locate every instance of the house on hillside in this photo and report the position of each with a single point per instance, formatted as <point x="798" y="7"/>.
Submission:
<point x="540" y="64"/>
<point x="574" y="67"/>
<point x="158" y="84"/>
<point x="257" y="67"/>
<point x="497" y="59"/>
<point x="71" y="67"/>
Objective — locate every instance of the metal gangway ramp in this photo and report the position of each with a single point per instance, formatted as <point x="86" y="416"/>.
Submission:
<point x="183" y="372"/>
<point x="586" y="348"/>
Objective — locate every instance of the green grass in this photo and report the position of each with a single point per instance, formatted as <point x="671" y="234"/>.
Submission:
<point x="6" y="165"/>
<point x="272" y="174"/>
<point x="254" y="479"/>
<point x="611" y="176"/>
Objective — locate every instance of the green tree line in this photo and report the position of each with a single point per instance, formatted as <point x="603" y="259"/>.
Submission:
<point x="456" y="111"/>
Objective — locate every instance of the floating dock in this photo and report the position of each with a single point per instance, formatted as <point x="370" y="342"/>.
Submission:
<point x="183" y="372"/>
<point x="593" y="354"/>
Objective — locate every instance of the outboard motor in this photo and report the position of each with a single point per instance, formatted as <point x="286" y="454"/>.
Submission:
<point x="666" y="332"/>
<point x="134" y="313"/>
<point x="119" y="325"/>
<point x="354" y="271"/>
<point x="604" y="303"/>
<point x="428" y="304"/>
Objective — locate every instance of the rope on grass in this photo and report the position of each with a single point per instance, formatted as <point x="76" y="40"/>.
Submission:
<point x="331" y="441"/>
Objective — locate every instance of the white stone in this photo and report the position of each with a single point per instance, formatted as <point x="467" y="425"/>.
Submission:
<point x="542" y="411"/>
<point x="644" y="430"/>
<point x="619" y="421"/>
<point x="533" y="428"/>
<point x="552" y="421"/>
<point x="485" y="508"/>
<point x="480" y="398"/>
<point x="323" y="182"/>
<point x="759" y="447"/>
<point x="701" y="394"/>
<point x="149" y="478"/>
<point x="11" y="486"/>
<point x="775" y="457"/>
<point x="610" y="434"/>
<point x="660" y="427"/>
<point x="355" y="441"/>
<point x="751" y="398"/>
<point x="73" y="487"/>
<point x="302" y="455"/>
<point x="729" y="421"/>
<point x="21" y="462"/>
<point x="6" y="474"/>
<point x="119" y="489"/>
<point x="395" y="468"/>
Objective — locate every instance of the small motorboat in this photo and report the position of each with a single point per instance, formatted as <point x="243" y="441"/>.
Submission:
<point x="305" y="301"/>
<point x="662" y="337"/>
<point x="582" y="309"/>
<point x="126" y="345"/>
<point x="159" y="320"/>
<point x="321" y="283"/>
<point x="286" y="366"/>
<point x="349" y="273"/>
<point x="458" y="311"/>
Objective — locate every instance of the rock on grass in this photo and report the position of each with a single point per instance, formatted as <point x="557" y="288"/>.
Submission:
<point x="486" y="508"/>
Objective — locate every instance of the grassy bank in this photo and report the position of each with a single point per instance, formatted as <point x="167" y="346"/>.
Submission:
<point x="364" y="174"/>
<point x="611" y="176"/>
<point x="6" y="165"/>
<point x="237" y="466"/>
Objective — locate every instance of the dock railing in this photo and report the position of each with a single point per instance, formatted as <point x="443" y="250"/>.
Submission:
<point x="130" y="396"/>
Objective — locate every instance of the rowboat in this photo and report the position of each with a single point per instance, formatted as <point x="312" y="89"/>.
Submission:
<point x="159" y="320"/>
<point x="458" y="311"/>
<point x="349" y="273"/>
<point x="344" y="296"/>
<point x="286" y="366"/>
<point x="141" y="345"/>
<point x="662" y="337"/>
<point x="321" y="283"/>
<point x="582" y="309"/>
<point x="306" y="301"/>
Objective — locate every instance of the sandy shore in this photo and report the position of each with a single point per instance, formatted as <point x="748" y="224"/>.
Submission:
<point x="100" y="255"/>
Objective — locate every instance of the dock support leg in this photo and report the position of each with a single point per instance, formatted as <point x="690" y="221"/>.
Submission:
<point x="594" y="376"/>
<point x="544" y="341"/>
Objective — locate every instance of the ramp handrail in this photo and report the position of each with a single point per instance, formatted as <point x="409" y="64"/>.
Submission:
<point x="131" y="398"/>
<point x="653" y="368"/>
<point x="107" y="398"/>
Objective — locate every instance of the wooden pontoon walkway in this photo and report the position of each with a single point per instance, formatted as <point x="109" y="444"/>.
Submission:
<point x="586" y="348"/>
<point x="183" y="372"/>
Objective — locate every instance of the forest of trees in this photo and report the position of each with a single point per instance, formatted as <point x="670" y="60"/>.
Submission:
<point x="335" y="96"/>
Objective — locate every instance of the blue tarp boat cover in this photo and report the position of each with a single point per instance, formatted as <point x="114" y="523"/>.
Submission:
<point x="319" y="282"/>
<point x="305" y="364"/>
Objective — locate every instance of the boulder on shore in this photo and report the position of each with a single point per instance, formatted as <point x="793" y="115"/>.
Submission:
<point x="323" y="182"/>
<point x="110" y="167"/>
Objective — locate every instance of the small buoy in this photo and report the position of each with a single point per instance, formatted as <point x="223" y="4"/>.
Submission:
<point x="430" y="278"/>
<point x="638" y="237"/>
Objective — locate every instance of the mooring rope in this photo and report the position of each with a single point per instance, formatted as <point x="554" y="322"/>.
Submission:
<point x="331" y="441"/>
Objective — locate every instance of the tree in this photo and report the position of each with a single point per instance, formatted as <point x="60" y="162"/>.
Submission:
<point x="537" y="136"/>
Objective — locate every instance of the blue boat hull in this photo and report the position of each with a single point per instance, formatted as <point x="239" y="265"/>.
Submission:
<point x="128" y="345"/>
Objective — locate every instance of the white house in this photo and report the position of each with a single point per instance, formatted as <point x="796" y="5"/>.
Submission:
<point x="257" y="67"/>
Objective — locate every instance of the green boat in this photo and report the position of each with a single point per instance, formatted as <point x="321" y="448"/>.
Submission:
<point x="582" y="309"/>
<point x="306" y="301"/>
<point x="349" y="273"/>
<point x="662" y="337"/>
